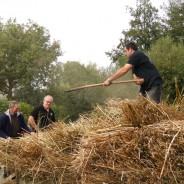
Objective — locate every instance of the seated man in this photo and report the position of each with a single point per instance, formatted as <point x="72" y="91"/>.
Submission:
<point x="12" y="123"/>
<point x="42" y="116"/>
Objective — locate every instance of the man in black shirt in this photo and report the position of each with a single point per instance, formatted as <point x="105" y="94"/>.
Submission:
<point x="144" y="72"/>
<point x="42" y="116"/>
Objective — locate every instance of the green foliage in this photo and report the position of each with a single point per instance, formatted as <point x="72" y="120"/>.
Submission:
<point x="4" y="104"/>
<point x="175" y="19"/>
<point x="27" y="55"/>
<point x="145" y="29"/>
<point x="77" y="103"/>
<point x="74" y="74"/>
<point x="60" y="112"/>
<point x="26" y="110"/>
<point x="169" y="59"/>
<point x="30" y="95"/>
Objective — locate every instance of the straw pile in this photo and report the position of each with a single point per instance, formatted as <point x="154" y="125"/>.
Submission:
<point x="126" y="141"/>
<point x="132" y="155"/>
<point x="45" y="158"/>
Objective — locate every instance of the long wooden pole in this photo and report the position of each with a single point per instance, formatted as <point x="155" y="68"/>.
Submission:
<point x="99" y="84"/>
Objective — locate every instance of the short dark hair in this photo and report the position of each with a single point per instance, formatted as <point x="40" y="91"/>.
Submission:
<point x="131" y="45"/>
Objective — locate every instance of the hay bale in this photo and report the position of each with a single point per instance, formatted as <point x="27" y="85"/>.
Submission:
<point x="37" y="159"/>
<point x="142" y="112"/>
<point x="125" y="141"/>
<point x="132" y="155"/>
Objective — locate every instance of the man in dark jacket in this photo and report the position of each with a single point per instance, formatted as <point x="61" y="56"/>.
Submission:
<point x="144" y="72"/>
<point x="12" y="123"/>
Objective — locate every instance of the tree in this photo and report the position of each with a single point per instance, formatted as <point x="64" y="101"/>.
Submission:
<point x="26" y="57"/>
<point x="75" y="74"/>
<point x="175" y="19"/>
<point x="169" y="59"/>
<point x="146" y="26"/>
<point x="145" y="29"/>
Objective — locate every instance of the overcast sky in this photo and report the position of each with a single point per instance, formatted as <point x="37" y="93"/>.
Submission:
<point x="86" y="29"/>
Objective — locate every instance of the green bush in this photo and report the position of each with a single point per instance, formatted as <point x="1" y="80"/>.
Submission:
<point x="169" y="59"/>
<point x="26" y="110"/>
<point x="4" y="103"/>
<point x="60" y="112"/>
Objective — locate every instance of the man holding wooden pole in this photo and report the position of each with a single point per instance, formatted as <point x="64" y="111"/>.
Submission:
<point x="144" y="72"/>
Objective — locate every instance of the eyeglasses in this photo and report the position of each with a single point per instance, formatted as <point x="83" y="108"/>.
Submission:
<point x="49" y="102"/>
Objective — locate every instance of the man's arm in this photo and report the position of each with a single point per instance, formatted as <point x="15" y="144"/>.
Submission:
<point x="139" y="81"/>
<point x="24" y="126"/>
<point x="3" y="135"/>
<point x="2" y="124"/>
<point x="122" y="71"/>
<point x="32" y="122"/>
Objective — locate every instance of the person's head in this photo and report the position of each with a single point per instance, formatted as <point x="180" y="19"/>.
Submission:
<point x="130" y="48"/>
<point x="14" y="107"/>
<point x="47" y="101"/>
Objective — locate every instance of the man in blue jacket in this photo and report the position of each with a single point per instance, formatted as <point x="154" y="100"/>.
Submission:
<point x="12" y="123"/>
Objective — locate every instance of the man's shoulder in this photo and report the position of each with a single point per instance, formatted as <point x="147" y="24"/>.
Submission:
<point x="3" y="118"/>
<point x="40" y="107"/>
<point x="135" y="57"/>
<point x="139" y="55"/>
<point x="20" y="114"/>
<point x="37" y="109"/>
<point x="138" y="52"/>
<point x="3" y="115"/>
